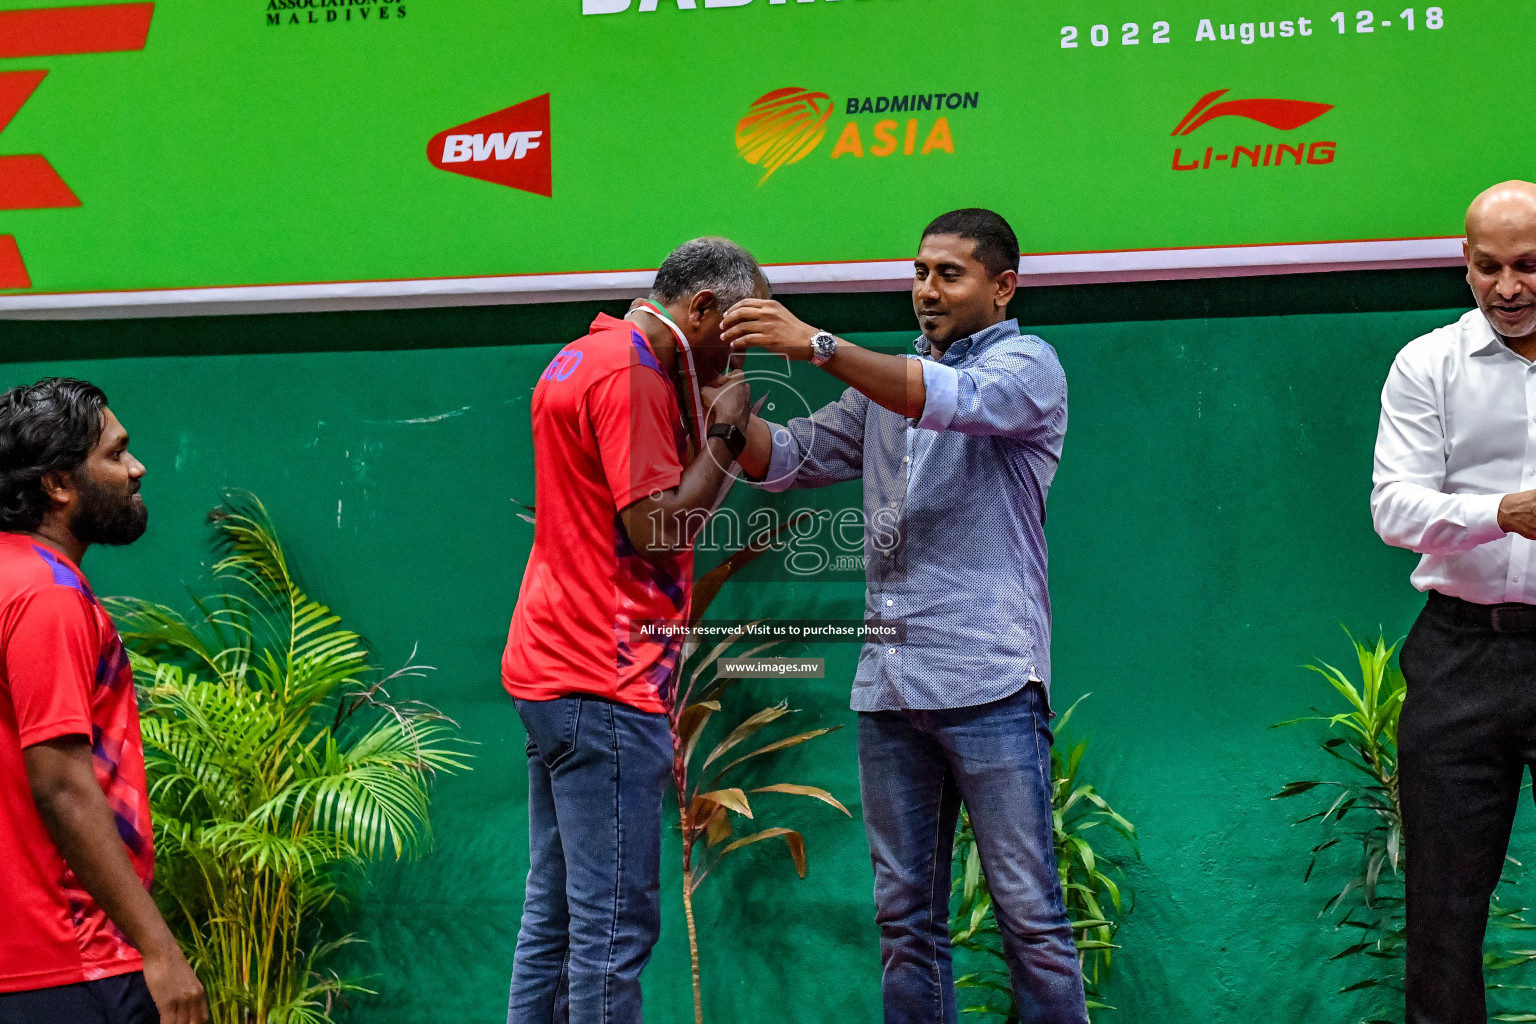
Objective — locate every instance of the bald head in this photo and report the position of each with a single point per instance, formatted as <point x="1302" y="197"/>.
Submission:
<point x="1501" y="257"/>
<point x="1509" y="205"/>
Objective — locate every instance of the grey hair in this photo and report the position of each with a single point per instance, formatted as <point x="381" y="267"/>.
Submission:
<point x="716" y="264"/>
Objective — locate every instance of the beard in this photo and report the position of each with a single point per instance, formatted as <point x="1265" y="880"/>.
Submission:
<point x="107" y="515"/>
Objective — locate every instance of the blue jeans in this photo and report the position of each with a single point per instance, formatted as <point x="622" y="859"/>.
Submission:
<point x="915" y="770"/>
<point x="596" y="774"/>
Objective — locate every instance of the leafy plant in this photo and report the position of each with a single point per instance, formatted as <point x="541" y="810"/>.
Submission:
<point x="278" y="765"/>
<point x="1094" y="900"/>
<point x="1365" y="817"/>
<point x="707" y="802"/>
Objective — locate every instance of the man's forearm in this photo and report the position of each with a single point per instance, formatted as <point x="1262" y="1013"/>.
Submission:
<point x="1429" y="522"/>
<point x="77" y="817"/>
<point x="664" y="524"/>
<point x="894" y="382"/>
<point x="758" y="453"/>
<point x="701" y="480"/>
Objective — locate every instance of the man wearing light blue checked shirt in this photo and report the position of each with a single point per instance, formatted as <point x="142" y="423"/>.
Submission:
<point x="957" y="446"/>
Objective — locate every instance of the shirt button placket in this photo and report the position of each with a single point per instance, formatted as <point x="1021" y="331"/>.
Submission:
<point x="1516" y="588"/>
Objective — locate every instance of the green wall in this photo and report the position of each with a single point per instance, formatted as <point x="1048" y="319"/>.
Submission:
<point x="1209" y="533"/>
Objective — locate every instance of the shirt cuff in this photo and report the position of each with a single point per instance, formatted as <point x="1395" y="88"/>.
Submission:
<point x="783" y="463"/>
<point x="32" y="735"/>
<point x="942" y="384"/>
<point x="665" y="481"/>
<point x="1483" y="517"/>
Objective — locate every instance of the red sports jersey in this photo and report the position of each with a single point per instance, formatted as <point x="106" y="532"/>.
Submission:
<point x="63" y="672"/>
<point x="607" y="431"/>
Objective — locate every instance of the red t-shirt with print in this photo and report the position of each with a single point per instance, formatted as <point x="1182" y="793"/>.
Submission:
<point x="607" y="431"/>
<point x="63" y="672"/>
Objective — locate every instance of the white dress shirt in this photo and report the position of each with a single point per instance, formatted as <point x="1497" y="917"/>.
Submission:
<point x="1457" y="433"/>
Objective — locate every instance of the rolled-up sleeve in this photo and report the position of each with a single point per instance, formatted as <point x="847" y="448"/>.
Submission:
<point x="1017" y="392"/>
<point x="1408" y="508"/>
<point x="942" y="385"/>
<point x="823" y="448"/>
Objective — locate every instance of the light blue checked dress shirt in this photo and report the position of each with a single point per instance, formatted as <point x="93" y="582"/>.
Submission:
<point x="954" y="506"/>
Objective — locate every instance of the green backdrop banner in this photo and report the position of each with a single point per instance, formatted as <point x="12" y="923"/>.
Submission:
<point x="1209" y="533"/>
<point x="189" y="145"/>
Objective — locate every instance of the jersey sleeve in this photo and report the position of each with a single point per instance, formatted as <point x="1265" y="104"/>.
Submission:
<point x="634" y="416"/>
<point x="50" y="663"/>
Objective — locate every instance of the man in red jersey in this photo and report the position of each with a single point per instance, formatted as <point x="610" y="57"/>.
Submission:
<point x="619" y="501"/>
<point x="81" y="941"/>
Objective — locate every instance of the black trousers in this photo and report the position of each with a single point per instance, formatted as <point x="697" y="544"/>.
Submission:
<point x="123" y="999"/>
<point x="1467" y="733"/>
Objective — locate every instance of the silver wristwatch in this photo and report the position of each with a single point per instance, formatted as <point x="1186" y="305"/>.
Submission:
<point x="823" y="347"/>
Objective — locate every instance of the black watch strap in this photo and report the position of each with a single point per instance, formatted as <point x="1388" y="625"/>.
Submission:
<point x="731" y="434"/>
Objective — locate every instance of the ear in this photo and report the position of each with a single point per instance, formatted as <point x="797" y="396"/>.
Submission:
<point x="1006" y="283"/>
<point x="701" y="305"/>
<point x="58" y="487"/>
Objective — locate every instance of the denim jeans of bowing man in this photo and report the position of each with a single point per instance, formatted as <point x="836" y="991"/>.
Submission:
<point x="596" y="774"/>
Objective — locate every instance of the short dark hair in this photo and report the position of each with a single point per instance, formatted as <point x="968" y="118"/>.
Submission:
<point x="717" y="264"/>
<point x="49" y="427"/>
<point x="997" y="247"/>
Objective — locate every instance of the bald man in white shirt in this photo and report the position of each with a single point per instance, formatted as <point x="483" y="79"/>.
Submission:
<point x="1455" y="480"/>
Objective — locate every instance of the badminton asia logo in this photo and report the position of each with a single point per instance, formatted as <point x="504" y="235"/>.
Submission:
<point x="786" y="125"/>
<point x="510" y="147"/>
<point x="1283" y="115"/>
<point x="29" y="182"/>
<point x="782" y="127"/>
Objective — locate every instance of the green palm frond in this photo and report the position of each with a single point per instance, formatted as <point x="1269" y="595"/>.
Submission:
<point x="154" y="631"/>
<point x="278" y="767"/>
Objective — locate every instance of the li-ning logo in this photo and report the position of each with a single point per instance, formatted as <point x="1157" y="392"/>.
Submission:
<point x="510" y="147"/>
<point x="29" y="182"/>
<point x="1283" y="115"/>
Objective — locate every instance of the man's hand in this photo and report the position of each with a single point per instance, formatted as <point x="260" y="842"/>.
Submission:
<point x="766" y="324"/>
<point x="728" y="401"/>
<point x="177" y="993"/>
<point x="1517" y="514"/>
<point x="663" y="524"/>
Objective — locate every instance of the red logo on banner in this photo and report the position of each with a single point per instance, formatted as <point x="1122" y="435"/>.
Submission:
<point x="1282" y="114"/>
<point x="13" y="272"/>
<point x="509" y="147"/>
<point x="29" y="182"/>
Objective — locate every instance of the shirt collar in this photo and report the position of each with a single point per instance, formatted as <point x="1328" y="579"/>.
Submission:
<point x="604" y="322"/>
<point x="973" y="344"/>
<point x="1482" y="340"/>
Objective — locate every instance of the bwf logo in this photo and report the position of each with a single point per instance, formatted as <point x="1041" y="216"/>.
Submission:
<point x="510" y="147"/>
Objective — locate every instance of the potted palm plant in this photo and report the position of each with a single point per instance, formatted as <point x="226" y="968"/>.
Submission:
<point x="279" y="766"/>
<point x="1362" y="851"/>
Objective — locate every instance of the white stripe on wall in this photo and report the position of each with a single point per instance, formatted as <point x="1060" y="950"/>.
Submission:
<point x="873" y="276"/>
